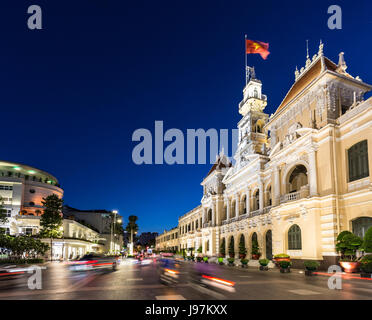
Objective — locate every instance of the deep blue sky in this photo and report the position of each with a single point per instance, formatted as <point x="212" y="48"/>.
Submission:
<point x="72" y="94"/>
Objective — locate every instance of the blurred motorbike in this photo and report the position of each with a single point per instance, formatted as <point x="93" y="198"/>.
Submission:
<point x="169" y="273"/>
<point x="94" y="261"/>
<point x="207" y="280"/>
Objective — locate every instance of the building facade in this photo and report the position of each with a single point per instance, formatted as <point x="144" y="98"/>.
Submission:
<point x="76" y="241"/>
<point x="22" y="189"/>
<point x="101" y="221"/>
<point x="301" y="175"/>
<point x="167" y="241"/>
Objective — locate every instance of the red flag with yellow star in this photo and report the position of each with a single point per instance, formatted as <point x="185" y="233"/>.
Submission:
<point x="257" y="47"/>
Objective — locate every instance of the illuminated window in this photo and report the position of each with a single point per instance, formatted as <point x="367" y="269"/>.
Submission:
<point x="3" y="187"/>
<point x="294" y="238"/>
<point x="361" y="225"/>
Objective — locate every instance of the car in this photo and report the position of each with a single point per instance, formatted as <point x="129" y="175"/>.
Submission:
<point x="93" y="261"/>
<point x="9" y="272"/>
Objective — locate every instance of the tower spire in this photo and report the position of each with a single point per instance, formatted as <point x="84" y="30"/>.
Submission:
<point x="341" y="62"/>
<point x="321" y="45"/>
<point x="308" y="61"/>
<point x="307" y="49"/>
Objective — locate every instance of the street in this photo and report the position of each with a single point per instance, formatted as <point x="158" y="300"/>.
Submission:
<point x="141" y="282"/>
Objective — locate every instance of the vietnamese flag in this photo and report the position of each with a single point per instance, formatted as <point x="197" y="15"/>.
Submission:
<point x="252" y="46"/>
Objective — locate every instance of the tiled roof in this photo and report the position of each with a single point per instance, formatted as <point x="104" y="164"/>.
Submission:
<point x="306" y="78"/>
<point x="219" y="164"/>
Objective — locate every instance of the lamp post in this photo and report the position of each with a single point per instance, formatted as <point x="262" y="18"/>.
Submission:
<point x="119" y="221"/>
<point x="113" y="230"/>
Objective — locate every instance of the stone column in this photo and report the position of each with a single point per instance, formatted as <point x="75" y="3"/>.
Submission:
<point x="247" y="200"/>
<point x="276" y="199"/>
<point x="213" y="222"/>
<point x="217" y="242"/>
<point x="227" y="208"/>
<point x="261" y="187"/>
<point x="203" y="218"/>
<point x="237" y="205"/>
<point x="313" y="174"/>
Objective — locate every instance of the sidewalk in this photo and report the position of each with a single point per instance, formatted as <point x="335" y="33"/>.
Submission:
<point x="343" y="275"/>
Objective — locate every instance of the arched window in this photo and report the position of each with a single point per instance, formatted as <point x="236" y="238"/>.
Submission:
<point x="298" y="178"/>
<point x="254" y="237"/>
<point x="255" y="93"/>
<point x="358" y="161"/>
<point x="209" y="215"/>
<point x="255" y="249"/>
<point x="361" y="225"/>
<point x="294" y="238"/>
<point x="233" y="209"/>
<point x="242" y="241"/>
<point x="196" y="224"/>
<point x="269" y="245"/>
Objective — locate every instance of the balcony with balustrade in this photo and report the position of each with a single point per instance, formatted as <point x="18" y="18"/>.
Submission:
<point x="296" y="195"/>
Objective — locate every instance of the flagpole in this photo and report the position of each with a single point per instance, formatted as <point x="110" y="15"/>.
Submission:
<point x="245" y="41"/>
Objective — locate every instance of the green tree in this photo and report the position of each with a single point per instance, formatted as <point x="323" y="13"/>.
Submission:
<point x="223" y="248"/>
<point x="51" y="220"/>
<point x="23" y="246"/>
<point x="242" y="249"/>
<point x="367" y="241"/>
<point x="3" y="217"/>
<point x="5" y="241"/>
<point x="231" y="248"/>
<point x="255" y="248"/>
<point x="347" y="244"/>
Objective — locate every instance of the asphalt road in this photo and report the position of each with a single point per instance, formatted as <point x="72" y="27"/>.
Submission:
<point x="141" y="282"/>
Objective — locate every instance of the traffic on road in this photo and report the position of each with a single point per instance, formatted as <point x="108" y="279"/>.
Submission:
<point x="167" y="278"/>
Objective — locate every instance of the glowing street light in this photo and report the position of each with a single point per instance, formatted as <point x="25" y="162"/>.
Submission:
<point x="113" y="230"/>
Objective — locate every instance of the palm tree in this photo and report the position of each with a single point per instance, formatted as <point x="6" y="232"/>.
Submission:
<point x="132" y="227"/>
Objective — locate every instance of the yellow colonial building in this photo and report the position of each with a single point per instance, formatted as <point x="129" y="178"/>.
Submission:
<point x="301" y="175"/>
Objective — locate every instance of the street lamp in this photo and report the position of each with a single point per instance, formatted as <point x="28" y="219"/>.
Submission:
<point x="113" y="230"/>
<point x="119" y="221"/>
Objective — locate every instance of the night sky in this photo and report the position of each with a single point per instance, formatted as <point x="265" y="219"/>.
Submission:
<point x="72" y="94"/>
